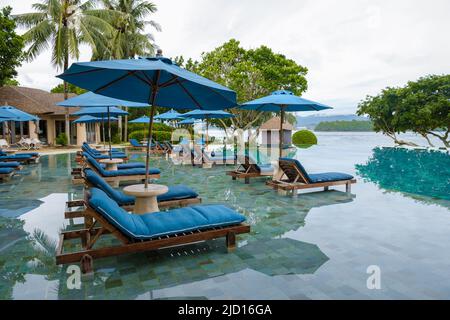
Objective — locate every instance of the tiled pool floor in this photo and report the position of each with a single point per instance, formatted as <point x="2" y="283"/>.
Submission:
<point x="316" y="246"/>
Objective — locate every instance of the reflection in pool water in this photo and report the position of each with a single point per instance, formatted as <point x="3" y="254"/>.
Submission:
<point x="419" y="172"/>
<point x="315" y="246"/>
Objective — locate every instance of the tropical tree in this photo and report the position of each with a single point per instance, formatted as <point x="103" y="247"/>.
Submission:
<point x="251" y="73"/>
<point x="129" y="37"/>
<point x="11" y="45"/>
<point x="421" y="106"/>
<point x="64" y="25"/>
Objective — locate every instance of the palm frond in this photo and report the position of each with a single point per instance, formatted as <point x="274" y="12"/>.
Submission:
<point x="29" y="20"/>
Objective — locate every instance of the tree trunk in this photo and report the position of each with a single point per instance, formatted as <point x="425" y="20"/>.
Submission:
<point x="428" y="139"/>
<point x="66" y="96"/>
<point x="443" y="138"/>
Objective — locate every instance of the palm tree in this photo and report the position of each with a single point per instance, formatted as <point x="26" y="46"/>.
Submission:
<point x="65" y="25"/>
<point x="129" y="37"/>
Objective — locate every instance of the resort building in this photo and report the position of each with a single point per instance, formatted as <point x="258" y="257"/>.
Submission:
<point x="52" y="119"/>
<point x="270" y="133"/>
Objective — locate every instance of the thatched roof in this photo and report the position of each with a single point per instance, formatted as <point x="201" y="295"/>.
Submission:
<point x="33" y="101"/>
<point x="274" y="125"/>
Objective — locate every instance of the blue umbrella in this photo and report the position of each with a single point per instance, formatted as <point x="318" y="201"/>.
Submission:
<point x="156" y="81"/>
<point x="282" y="101"/>
<point x="5" y="115"/>
<point x="92" y="101"/>
<point x="188" y="121"/>
<point x="102" y="112"/>
<point x="143" y="119"/>
<point x="206" y="115"/>
<point x="19" y="115"/>
<point x="169" y="115"/>
<point x="91" y="119"/>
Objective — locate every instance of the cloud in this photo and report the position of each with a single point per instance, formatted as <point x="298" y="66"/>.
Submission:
<point x="352" y="48"/>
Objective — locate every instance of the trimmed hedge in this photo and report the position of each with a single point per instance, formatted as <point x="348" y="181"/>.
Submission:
<point x="157" y="135"/>
<point x="143" y="126"/>
<point x="304" y="137"/>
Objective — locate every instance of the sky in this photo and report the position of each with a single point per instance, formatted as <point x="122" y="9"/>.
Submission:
<point x="352" y="48"/>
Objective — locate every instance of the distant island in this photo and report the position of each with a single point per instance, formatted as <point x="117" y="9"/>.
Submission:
<point x="311" y="121"/>
<point x="353" y="125"/>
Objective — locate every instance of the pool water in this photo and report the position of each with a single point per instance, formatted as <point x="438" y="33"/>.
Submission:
<point x="315" y="246"/>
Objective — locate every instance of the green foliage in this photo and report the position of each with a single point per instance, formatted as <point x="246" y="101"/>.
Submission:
<point x="116" y="139"/>
<point x="304" y="137"/>
<point x="144" y="126"/>
<point x="422" y="106"/>
<point x="11" y="46"/>
<point x="353" y="125"/>
<point x="62" y="139"/>
<point x="251" y="73"/>
<point x="129" y="37"/>
<point x="64" y="26"/>
<point x="70" y="88"/>
<point x="157" y="135"/>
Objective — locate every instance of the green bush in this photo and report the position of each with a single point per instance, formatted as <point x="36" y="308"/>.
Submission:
<point x="304" y="137"/>
<point x="157" y="135"/>
<point x="143" y="126"/>
<point x="116" y="139"/>
<point x="61" y="139"/>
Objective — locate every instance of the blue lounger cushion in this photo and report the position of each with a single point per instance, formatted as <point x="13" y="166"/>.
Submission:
<point x="9" y="164"/>
<point x="151" y="225"/>
<point x="328" y="177"/>
<point x="130" y="165"/>
<point x="31" y="154"/>
<point x="319" y="177"/>
<point x="175" y="192"/>
<point x="6" y="170"/>
<point x="15" y="157"/>
<point x="121" y="172"/>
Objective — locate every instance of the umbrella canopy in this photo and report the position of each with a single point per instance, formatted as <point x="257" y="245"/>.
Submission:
<point x="18" y="115"/>
<point x="282" y="101"/>
<point x="207" y="114"/>
<point x="156" y="81"/>
<point x="143" y="119"/>
<point x="169" y="115"/>
<point x="90" y="99"/>
<point x="91" y="119"/>
<point x="5" y="115"/>
<point x="100" y="112"/>
<point x="188" y="121"/>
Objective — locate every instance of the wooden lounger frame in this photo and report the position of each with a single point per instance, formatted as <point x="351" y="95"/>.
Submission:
<point x="246" y="170"/>
<point x="22" y="161"/>
<point x="297" y="181"/>
<point x="91" y="234"/>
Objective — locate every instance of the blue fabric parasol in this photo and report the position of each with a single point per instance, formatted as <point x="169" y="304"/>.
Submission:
<point x="143" y="119"/>
<point x="282" y="101"/>
<point x="19" y="115"/>
<point x="169" y="115"/>
<point x="91" y="119"/>
<point x="156" y="81"/>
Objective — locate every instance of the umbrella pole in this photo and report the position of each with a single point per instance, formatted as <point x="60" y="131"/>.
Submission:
<point x="103" y="130"/>
<point x="281" y="132"/>
<point x="150" y="129"/>
<point x="207" y="134"/>
<point x="109" y="135"/>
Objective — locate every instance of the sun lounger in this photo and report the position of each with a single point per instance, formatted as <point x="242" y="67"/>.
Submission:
<point x="98" y="155"/>
<point x="177" y="196"/>
<point x="35" y="156"/>
<point x="4" y="144"/>
<point x="6" y="173"/>
<point x="22" y="158"/>
<point x="136" y="145"/>
<point x="14" y="165"/>
<point x="297" y="178"/>
<point x="151" y="231"/>
<point x="248" y="168"/>
<point x="135" y="174"/>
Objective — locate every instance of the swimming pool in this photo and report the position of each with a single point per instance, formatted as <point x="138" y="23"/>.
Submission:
<point x="316" y="246"/>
